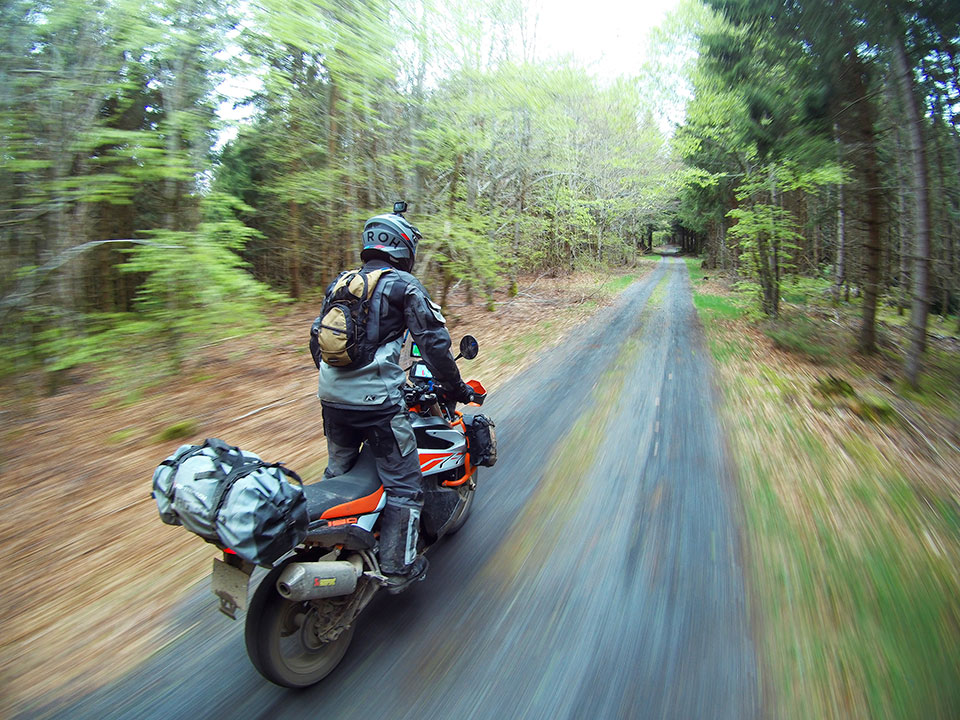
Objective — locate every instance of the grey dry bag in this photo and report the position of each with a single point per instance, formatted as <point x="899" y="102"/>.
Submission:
<point x="233" y="498"/>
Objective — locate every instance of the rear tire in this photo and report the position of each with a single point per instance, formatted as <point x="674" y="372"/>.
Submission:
<point x="280" y="640"/>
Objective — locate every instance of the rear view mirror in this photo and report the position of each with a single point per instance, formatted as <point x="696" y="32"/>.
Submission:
<point x="469" y="347"/>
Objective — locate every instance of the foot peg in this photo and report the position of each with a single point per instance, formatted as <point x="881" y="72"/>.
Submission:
<point x="414" y="572"/>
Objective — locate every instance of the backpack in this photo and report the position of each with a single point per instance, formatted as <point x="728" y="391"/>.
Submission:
<point x="338" y="336"/>
<point x="233" y="498"/>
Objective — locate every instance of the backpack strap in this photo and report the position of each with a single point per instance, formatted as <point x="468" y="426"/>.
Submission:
<point x="331" y="293"/>
<point x="396" y="290"/>
<point x="374" y="276"/>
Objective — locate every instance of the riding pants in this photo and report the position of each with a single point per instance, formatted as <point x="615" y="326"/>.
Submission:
<point x="390" y="436"/>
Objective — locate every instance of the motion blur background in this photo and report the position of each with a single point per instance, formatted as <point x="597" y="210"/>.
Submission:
<point x="179" y="180"/>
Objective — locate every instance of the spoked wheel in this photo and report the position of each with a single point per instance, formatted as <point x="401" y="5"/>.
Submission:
<point x="283" y="637"/>
<point x="463" y="508"/>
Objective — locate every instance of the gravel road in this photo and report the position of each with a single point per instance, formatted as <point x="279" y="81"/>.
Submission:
<point x="599" y="575"/>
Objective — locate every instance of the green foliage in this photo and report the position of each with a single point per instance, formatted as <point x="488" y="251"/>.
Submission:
<point x="108" y="120"/>
<point x="105" y="122"/>
<point x="195" y="288"/>
<point x="831" y="386"/>
<point x="177" y="431"/>
<point x="195" y="291"/>
<point x="800" y="335"/>
<point x="507" y="165"/>
<point x="713" y="307"/>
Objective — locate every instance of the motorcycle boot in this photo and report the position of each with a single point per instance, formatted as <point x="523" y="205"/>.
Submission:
<point x="399" y="562"/>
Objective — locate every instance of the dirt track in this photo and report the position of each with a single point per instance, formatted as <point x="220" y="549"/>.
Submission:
<point x="90" y="573"/>
<point x="599" y="575"/>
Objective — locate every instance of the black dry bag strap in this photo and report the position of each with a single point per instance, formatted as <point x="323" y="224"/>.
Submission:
<point x="285" y="470"/>
<point x="235" y="474"/>
<point x="220" y="447"/>
<point x="242" y="471"/>
<point x="175" y="462"/>
<point x="226" y="455"/>
<point x="288" y="516"/>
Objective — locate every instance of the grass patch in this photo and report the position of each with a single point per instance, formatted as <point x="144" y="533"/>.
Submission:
<point x="513" y="350"/>
<point x="802" y="336"/>
<point x="177" y="431"/>
<point x="853" y="538"/>
<point x="939" y="384"/>
<point x="726" y="350"/>
<point x="121" y="436"/>
<point x="658" y="293"/>
<point x="618" y="284"/>
<point x="694" y="267"/>
<point x="712" y="307"/>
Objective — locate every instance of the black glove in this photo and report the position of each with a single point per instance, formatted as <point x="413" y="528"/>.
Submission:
<point x="464" y="393"/>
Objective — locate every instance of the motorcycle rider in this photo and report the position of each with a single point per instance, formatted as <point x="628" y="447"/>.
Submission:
<point x="365" y="404"/>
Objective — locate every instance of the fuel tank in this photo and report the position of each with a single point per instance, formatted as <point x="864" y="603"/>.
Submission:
<point x="441" y="447"/>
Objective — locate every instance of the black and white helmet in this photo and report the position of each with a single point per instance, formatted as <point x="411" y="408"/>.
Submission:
<point x="392" y="238"/>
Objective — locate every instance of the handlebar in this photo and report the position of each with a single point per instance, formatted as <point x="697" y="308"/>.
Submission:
<point x="425" y="395"/>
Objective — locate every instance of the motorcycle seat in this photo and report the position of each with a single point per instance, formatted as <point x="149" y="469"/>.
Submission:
<point x="356" y="492"/>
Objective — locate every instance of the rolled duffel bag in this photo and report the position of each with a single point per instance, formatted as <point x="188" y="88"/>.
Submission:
<point x="481" y="440"/>
<point x="234" y="498"/>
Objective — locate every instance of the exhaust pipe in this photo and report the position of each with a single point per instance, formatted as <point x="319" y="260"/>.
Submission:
<point x="301" y="581"/>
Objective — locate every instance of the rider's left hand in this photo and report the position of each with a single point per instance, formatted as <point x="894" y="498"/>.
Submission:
<point x="464" y="394"/>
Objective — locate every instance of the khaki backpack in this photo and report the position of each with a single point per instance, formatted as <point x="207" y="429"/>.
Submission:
<point x="338" y="335"/>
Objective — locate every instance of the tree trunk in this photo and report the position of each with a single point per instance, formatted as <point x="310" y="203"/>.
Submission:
<point x="816" y="246"/>
<point x="904" y="276"/>
<point x="873" y="197"/>
<point x="294" y="249"/>
<point x="840" y="272"/>
<point x="921" y="245"/>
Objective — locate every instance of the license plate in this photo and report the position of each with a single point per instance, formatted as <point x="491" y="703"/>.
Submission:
<point x="230" y="585"/>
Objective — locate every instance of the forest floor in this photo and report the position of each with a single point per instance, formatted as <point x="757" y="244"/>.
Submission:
<point x="850" y="482"/>
<point x="89" y="570"/>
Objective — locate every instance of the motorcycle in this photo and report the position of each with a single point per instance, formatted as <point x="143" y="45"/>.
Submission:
<point x="301" y="618"/>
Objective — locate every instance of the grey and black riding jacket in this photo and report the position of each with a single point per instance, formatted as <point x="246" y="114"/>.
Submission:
<point x="399" y="302"/>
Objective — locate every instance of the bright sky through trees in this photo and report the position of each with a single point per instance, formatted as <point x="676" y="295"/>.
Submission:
<point x="608" y="36"/>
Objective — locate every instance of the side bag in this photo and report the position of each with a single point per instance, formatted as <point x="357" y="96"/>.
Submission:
<point x="481" y="440"/>
<point x="233" y="498"/>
